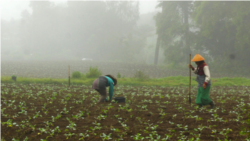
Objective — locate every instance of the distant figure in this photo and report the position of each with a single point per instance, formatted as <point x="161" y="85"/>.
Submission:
<point x="100" y="85"/>
<point x="203" y="79"/>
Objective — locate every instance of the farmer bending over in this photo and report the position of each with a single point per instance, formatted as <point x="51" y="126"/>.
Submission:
<point x="203" y="79"/>
<point x="100" y="85"/>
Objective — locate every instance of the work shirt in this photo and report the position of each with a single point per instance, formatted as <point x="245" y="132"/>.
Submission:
<point x="111" y="87"/>
<point x="203" y="75"/>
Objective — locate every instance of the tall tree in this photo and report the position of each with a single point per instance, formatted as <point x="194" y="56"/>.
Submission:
<point x="223" y="30"/>
<point x="173" y="29"/>
<point x="185" y="5"/>
<point x="157" y="51"/>
<point x="38" y="38"/>
<point x="82" y="29"/>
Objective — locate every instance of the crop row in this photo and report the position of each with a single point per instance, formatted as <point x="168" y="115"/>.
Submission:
<point x="57" y="112"/>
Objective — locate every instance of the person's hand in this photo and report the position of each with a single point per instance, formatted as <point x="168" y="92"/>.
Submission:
<point x="204" y="86"/>
<point x="190" y="66"/>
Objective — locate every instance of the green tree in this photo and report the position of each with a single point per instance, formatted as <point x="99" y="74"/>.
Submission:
<point x="39" y="33"/>
<point x="223" y="31"/>
<point x="104" y="30"/>
<point x="173" y="30"/>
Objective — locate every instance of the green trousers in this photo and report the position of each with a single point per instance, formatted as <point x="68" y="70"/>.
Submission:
<point x="202" y="97"/>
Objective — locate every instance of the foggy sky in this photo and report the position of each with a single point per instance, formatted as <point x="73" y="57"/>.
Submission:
<point x="13" y="8"/>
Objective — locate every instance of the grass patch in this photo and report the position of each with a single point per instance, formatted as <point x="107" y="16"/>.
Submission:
<point x="167" y="81"/>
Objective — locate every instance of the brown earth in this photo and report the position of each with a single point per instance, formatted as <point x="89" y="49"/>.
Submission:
<point x="148" y="110"/>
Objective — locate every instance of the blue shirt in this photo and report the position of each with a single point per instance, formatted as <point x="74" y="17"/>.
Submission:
<point x="111" y="87"/>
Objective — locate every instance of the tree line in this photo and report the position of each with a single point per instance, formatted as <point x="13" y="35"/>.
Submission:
<point x="101" y="30"/>
<point x="219" y="30"/>
<point x="108" y="31"/>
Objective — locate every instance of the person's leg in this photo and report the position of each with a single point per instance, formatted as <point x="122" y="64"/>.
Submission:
<point x="209" y="101"/>
<point x="212" y="104"/>
<point x="103" y="94"/>
<point x="202" y="97"/>
<point x="198" y="97"/>
<point x="205" y="96"/>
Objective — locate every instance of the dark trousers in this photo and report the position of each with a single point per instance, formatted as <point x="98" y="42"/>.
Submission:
<point x="103" y="94"/>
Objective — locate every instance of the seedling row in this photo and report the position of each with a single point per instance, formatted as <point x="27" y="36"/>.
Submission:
<point x="37" y="112"/>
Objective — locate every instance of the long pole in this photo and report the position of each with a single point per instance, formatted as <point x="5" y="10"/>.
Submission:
<point x="69" y="75"/>
<point x="189" y="90"/>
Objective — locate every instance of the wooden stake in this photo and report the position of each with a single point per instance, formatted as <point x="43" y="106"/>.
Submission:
<point x="189" y="90"/>
<point x="69" y="75"/>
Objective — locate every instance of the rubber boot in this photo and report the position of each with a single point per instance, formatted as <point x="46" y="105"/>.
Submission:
<point x="212" y="104"/>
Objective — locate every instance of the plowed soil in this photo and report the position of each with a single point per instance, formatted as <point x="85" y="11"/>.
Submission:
<point x="149" y="112"/>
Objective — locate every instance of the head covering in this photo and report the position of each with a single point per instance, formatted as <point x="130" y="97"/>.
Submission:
<point x="197" y="58"/>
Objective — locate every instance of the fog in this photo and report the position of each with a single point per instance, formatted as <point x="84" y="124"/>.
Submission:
<point x="115" y="31"/>
<point x="106" y="31"/>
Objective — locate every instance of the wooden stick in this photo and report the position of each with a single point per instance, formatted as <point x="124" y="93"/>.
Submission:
<point x="189" y="90"/>
<point x="69" y="75"/>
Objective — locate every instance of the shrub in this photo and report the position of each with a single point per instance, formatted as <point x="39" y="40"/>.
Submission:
<point x="140" y="75"/>
<point x="119" y="75"/>
<point x="76" y="74"/>
<point x="13" y="77"/>
<point x="93" y="72"/>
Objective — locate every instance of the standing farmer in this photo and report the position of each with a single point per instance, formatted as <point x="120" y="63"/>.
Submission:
<point x="203" y="79"/>
<point x="100" y="85"/>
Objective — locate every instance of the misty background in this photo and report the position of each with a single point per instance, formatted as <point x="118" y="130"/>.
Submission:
<point x="115" y="31"/>
<point x="106" y="31"/>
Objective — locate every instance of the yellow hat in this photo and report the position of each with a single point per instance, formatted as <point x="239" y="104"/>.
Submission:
<point x="197" y="58"/>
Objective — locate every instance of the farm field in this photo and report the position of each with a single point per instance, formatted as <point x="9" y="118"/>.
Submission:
<point x="39" y="112"/>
